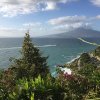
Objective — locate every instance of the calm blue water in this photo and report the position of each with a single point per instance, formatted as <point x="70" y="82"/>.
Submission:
<point x="59" y="51"/>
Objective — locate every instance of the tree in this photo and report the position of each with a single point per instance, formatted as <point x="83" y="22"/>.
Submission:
<point x="31" y="63"/>
<point x="85" y="58"/>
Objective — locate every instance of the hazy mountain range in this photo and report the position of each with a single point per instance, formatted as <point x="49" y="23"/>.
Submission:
<point x="77" y="33"/>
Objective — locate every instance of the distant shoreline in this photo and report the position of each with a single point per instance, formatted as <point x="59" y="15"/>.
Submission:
<point x="91" y="43"/>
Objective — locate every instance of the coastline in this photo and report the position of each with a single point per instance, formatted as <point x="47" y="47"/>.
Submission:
<point x="91" y="43"/>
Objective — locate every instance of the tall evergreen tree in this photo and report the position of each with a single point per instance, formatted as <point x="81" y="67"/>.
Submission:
<point x="31" y="64"/>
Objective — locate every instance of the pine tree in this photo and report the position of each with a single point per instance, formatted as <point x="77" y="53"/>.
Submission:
<point x="31" y="64"/>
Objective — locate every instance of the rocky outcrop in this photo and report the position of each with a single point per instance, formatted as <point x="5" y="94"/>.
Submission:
<point x="92" y="58"/>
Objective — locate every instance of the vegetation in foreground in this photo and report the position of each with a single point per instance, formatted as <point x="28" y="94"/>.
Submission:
<point x="28" y="78"/>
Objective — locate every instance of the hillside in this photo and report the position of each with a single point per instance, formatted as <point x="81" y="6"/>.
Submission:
<point x="90" y="58"/>
<point x="77" y="33"/>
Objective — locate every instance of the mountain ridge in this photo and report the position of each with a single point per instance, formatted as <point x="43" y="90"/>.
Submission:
<point x="77" y="33"/>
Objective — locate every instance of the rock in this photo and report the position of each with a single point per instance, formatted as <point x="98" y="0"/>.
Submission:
<point x="86" y="58"/>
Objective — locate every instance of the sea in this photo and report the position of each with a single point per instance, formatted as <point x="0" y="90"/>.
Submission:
<point x="59" y="50"/>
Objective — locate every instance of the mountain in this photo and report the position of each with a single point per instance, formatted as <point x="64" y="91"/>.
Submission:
<point x="77" y="33"/>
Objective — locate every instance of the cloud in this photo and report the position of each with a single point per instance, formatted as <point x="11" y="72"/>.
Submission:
<point x="52" y="4"/>
<point x="10" y="8"/>
<point x="69" y="27"/>
<point x="19" y="32"/>
<point x="11" y="32"/>
<point x="95" y="2"/>
<point x="67" y="20"/>
<point x="32" y="24"/>
<point x="98" y="17"/>
<point x="67" y="23"/>
<point x="52" y="26"/>
<point x="35" y="28"/>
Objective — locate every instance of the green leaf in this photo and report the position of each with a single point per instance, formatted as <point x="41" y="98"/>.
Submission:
<point x="32" y="96"/>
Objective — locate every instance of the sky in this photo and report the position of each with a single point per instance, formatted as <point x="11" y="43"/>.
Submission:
<point x="45" y="17"/>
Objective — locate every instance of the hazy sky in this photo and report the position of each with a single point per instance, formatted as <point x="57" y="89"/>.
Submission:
<point x="45" y="17"/>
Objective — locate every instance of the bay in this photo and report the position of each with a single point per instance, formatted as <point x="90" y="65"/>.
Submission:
<point x="59" y="50"/>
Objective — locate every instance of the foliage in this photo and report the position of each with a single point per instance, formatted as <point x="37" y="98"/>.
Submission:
<point x="84" y="59"/>
<point x="29" y="79"/>
<point x="96" y="52"/>
<point x="87" y="70"/>
<point x="31" y="63"/>
<point x="37" y="89"/>
<point x="92" y="74"/>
